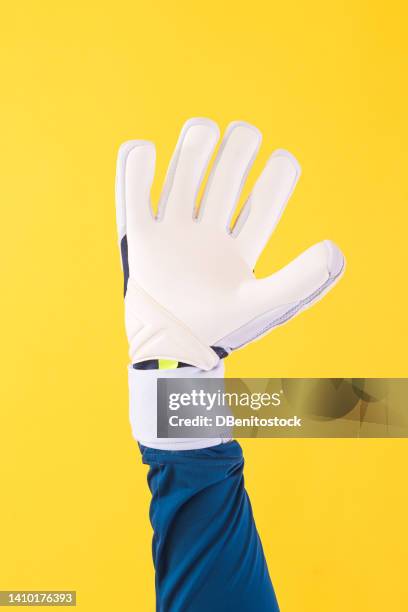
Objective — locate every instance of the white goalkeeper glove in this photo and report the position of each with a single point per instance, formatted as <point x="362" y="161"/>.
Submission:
<point x="191" y="284"/>
<point x="190" y="292"/>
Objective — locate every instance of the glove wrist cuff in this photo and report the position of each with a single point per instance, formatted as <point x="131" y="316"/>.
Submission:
<point x="143" y="407"/>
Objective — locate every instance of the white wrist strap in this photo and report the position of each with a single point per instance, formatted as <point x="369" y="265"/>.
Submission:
<point x="143" y="407"/>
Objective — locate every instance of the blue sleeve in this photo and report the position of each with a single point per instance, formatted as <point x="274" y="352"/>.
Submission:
<point x="206" y="549"/>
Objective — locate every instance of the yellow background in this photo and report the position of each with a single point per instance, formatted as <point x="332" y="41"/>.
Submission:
<point x="324" y="80"/>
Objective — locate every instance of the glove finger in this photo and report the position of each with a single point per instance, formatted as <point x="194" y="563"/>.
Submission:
<point x="265" y="205"/>
<point x="134" y="177"/>
<point x="275" y="300"/>
<point x="193" y="152"/>
<point x="302" y="279"/>
<point x="234" y="160"/>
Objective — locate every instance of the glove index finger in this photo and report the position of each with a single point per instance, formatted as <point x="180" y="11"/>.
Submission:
<point x="266" y="205"/>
